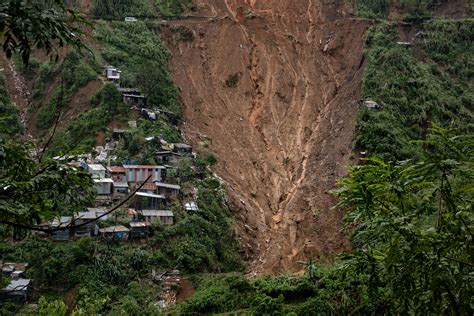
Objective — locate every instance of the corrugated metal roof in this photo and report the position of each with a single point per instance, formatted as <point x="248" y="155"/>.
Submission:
<point x="157" y="213"/>
<point x="62" y="221"/>
<point x="191" y="206"/>
<point x="142" y="167"/>
<point x="113" y="229"/>
<point x="96" y="167"/>
<point x="139" y="224"/>
<point x="182" y="146"/>
<point x="167" y="185"/>
<point x="152" y="195"/>
<point x="116" y="169"/>
<point x="105" y="180"/>
<point x="121" y="184"/>
<point x="18" y="285"/>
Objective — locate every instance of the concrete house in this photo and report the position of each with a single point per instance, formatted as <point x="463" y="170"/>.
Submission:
<point x="140" y="173"/>
<point x="170" y="191"/>
<point x="112" y="73"/>
<point x="153" y="216"/>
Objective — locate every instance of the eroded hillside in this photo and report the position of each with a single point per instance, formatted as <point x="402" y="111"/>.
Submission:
<point x="272" y="87"/>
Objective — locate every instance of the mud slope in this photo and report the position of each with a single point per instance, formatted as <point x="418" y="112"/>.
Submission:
<point x="283" y="132"/>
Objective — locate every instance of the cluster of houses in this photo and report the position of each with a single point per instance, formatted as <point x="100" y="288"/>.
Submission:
<point x="154" y="193"/>
<point x="135" y="98"/>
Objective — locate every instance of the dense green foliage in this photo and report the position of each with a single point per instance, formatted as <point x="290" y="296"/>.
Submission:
<point x="174" y="7"/>
<point x="81" y="133"/>
<point x="372" y="8"/>
<point x="415" y="87"/>
<point x="113" y="273"/>
<point x="34" y="191"/>
<point x="106" y="272"/>
<point x="119" y="9"/>
<point x="416" y="10"/>
<point x="74" y="73"/>
<point x="143" y="59"/>
<point x="45" y="25"/>
<point x="9" y="120"/>
<point x="411" y="226"/>
<point x="201" y="241"/>
<point x="414" y="226"/>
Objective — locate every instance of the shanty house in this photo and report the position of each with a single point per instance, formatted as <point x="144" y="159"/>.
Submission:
<point x="112" y="73"/>
<point x="117" y="173"/>
<point x="371" y="104"/>
<point x="152" y="216"/>
<point x="96" y="170"/>
<point x="88" y="227"/>
<point x="191" y="206"/>
<point x="139" y="229"/>
<point x="103" y="186"/>
<point x="133" y="99"/>
<point x="149" y="201"/>
<point x="120" y="188"/>
<point x="183" y="149"/>
<point x="63" y="234"/>
<point x="140" y="173"/>
<point x="98" y="212"/>
<point x="17" y="290"/>
<point x="170" y="191"/>
<point x="163" y="157"/>
<point x="118" y="134"/>
<point x="115" y="232"/>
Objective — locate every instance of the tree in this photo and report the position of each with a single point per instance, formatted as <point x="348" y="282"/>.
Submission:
<point x="413" y="225"/>
<point x="46" y="25"/>
<point x="32" y="191"/>
<point x="53" y="308"/>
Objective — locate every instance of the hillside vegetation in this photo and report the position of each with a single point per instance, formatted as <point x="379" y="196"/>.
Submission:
<point x="426" y="83"/>
<point x="119" y="9"/>
<point x="408" y="204"/>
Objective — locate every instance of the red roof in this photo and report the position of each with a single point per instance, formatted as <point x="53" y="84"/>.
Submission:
<point x="117" y="169"/>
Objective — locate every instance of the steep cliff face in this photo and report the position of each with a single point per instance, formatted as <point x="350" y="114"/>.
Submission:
<point x="272" y="87"/>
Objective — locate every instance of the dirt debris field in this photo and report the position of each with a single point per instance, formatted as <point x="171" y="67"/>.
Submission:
<point x="272" y="87"/>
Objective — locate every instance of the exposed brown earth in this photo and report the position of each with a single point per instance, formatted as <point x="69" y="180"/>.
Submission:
<point x="273" y="87"/>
